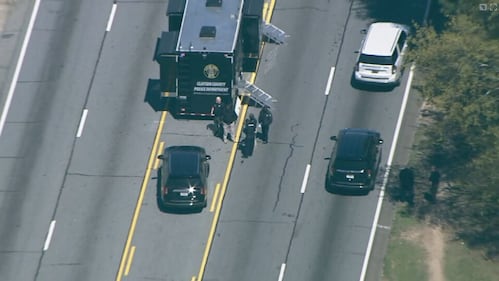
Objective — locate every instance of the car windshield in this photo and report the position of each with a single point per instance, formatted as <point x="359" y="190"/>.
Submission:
<point x="370" y="59"/>
<point x="350" y="165"/>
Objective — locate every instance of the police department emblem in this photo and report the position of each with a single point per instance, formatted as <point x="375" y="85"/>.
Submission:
<point x="211" y="71"/>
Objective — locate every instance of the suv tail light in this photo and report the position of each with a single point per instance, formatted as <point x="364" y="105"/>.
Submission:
<point x="203" y="190"/>
<point x="357" y="67"/>
<point x="394" y="69"/>
<point x="165" y="190"/>
<point x="368" y="173"/>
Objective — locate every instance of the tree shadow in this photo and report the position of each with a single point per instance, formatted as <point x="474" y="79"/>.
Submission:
<point x="401" y="11"/>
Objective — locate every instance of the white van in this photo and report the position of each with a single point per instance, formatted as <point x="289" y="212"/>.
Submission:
<point x="380" y="59"/>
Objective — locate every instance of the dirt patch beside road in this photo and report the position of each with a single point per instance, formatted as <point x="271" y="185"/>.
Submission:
<point x="433" y="241"/>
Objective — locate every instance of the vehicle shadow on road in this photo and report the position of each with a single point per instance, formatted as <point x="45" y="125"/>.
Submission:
<point x="153" y="96"/>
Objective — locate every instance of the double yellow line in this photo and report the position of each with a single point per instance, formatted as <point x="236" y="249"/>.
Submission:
<point x="127" y="256"/>
<point x="129" y="250"/>
<point x="268" y="10"/>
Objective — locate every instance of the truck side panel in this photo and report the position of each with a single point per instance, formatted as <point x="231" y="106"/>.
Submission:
<point x="167" y="58"/>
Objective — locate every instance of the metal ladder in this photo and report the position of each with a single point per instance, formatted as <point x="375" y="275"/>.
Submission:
<point x="274" y="33"/>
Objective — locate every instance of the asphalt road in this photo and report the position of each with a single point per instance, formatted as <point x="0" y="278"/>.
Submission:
<point x="87" y="187"/>
<point x="265" y="220"/>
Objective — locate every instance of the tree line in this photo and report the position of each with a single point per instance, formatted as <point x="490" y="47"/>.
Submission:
<point x="458" y="70"/>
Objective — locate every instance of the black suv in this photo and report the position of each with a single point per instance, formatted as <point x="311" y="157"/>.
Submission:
<point x="183" y="177"/>
<point x="354" y="163"/>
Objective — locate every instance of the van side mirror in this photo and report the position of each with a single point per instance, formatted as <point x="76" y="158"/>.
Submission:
<point x="363" y="31"/>
<point x="208" y="157"/>
<point x="162" y="157"/>
<point x="333" y="138"/>
<point x="380" y="141"/>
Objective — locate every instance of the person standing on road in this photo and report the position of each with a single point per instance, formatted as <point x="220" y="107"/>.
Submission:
<point x="265" y="119"/>
<point x="248" y="144"/>
<point x="217" y="111"/>
<point x="228" y="118"/>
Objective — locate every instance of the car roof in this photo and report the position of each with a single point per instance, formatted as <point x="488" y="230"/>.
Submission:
<point x="184" y="161"/>
<point x="381" y="38"/>
<point x="354" y="143"/>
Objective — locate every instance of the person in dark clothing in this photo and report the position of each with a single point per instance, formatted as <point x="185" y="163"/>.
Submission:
<point x="248" y="144"/>
<point x="228" y="119"/>
<point x="406" y="178"/>
<point x="435" y="181"/>
<point x="217" y="111"/>
<point x="265" y="119"/>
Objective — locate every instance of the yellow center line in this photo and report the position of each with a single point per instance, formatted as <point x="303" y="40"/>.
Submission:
<point x="130" y="259"/>
<point x="244" y="108"/>
<point x="193" y="278"/>
<point x="140" y="199"/>
<point x="214" y="200"/>
<point x="160" y="151"/>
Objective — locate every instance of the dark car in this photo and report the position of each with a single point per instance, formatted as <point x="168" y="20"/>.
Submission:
<point x="183" y="178"/>
<point x="354" y="163"/>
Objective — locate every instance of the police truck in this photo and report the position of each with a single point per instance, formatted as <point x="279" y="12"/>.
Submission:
<point x="207" y="48"/>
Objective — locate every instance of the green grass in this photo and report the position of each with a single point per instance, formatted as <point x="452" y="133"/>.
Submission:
<point x="463" y="264"/>
<point x="405" y="260"/>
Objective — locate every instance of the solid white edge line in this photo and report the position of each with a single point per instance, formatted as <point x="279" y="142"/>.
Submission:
<point x="20" y="60"/>
<point x="305" y="179"/>
<point x="329" y="81"/>
<point x="281" y="273"/>
<point x="111" y="17"/>
<point x="385" y="176"/>
<point x="49" y="235"/>
<point x="82" y="123"/>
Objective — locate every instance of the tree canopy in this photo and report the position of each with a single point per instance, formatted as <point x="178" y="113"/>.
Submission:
<point x="459" y="70"/>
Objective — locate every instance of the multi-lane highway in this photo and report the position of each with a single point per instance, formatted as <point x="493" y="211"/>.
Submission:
<point x="78" y="168"/>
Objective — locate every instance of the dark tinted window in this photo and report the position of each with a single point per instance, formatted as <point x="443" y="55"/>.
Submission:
<point x="402" y="38"/>
<point x="183" y="182"/>
<point x="395" y="55"/>
<point x="350" y="165"/>
<point x="376" y="59"/>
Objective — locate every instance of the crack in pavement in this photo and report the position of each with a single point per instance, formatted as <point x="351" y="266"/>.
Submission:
<point x="291" y="151"/>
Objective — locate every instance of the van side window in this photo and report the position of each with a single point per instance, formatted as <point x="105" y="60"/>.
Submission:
<point x="402" y="38"/>
<point x="395" y="55"/>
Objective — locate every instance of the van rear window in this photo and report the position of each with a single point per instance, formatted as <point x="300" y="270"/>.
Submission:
<point x="370" y="59"/>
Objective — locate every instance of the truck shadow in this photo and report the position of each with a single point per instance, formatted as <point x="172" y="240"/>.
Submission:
<point x="153" y="96"/>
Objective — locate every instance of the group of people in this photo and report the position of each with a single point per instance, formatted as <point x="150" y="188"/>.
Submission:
<point x="406" y="179"/>
<point x="225" y="117"/>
